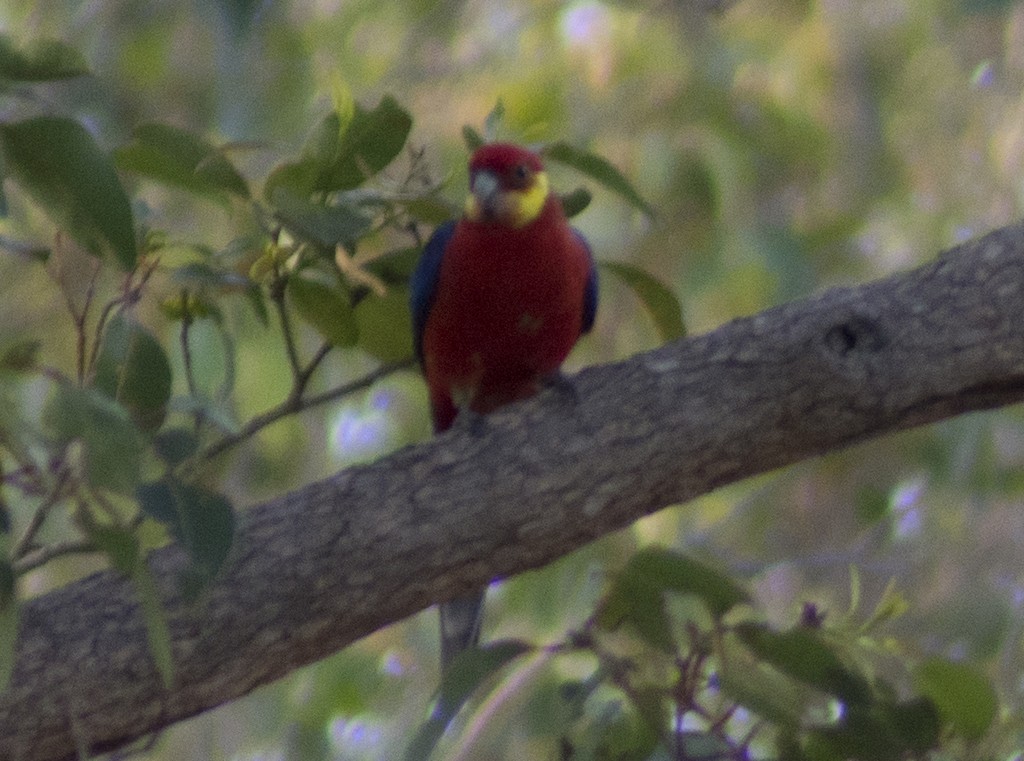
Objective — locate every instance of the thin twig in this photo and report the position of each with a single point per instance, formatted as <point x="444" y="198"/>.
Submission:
<point x="46" y="553"/>
<point x="302" y="380"/>
<point x="294" y="404"/>
<point x="277" y="296"/>
<point x="24" y="544"/>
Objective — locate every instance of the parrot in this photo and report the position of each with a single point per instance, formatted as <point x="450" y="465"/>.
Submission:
<point x="498" y="300"/>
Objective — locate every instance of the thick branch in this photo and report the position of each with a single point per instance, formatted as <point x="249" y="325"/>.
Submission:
<point x="328" y="563"/>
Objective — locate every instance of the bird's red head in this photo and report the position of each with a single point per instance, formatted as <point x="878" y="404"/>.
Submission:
<point x="508" y="185"/>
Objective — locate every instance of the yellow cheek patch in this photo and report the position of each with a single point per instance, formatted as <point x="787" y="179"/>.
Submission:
<point x="528" y="203"/>
<point x="515" y="208"/>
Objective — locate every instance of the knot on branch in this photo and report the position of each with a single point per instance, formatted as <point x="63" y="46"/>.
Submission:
<point x="857" y="334"/>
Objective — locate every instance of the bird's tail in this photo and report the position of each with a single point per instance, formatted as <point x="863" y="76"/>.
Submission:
<point x="460" y="625"/>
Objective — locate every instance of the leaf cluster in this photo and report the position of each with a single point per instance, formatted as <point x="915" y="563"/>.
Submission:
<point x="677" y="664"/>
<point x="122" y="454"/>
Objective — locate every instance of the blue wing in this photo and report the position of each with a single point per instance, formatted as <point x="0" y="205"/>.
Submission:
<point x="590" y="294"/>
<point x="423" y="284"/>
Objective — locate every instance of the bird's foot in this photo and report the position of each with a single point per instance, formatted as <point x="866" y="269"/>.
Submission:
<point x="470" y="421"/>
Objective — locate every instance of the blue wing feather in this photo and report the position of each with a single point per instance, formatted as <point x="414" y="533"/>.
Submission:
<point x="590" y="294"/>
<point x="423" y="284"/>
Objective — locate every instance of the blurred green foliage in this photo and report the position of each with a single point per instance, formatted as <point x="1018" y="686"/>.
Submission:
<point x="213" y="156"/>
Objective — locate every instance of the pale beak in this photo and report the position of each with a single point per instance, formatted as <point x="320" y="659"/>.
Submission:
<point x="486" y="189"/>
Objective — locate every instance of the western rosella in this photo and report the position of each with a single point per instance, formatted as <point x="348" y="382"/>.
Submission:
<point x="498" y="300"/>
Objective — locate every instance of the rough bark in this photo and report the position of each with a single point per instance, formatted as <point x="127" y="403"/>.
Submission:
<point x="326" y="564"/>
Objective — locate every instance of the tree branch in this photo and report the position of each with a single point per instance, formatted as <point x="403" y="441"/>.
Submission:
<point x="324" y="565"/>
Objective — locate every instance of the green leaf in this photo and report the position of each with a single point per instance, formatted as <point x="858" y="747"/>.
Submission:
<point x="385" y="325"/>
<point x="431" y="210"/>
<point x="633" y="600"/>
<point x="298" y="178"/>
<point x="493" y="120"/>
<point x="321" y="146"/>
<point x="372" y="141"/>
<point x="964" y="696"/>
<point x="120" y="545"/>
<point x="57" y="162"/>
<point x="470" y="669"/>
<point x="326" y="307"/>
<point x="180" y="159"/>
<point x="882" y="731"/>
<point x="202" y="520"/>
<point x="9" y="615"/>
<point x="133" y="369"/>
<point x="20" y="356"/>
<point x="8" y="589"/>
<point x="472" y="138"/>
<point x="112" y="446"/>
<point x="660" y="302"/>
<point x="598" y="169"/>
<point x="39" y="61"/>
<point x="158" y="632"/>
<point x="325" y="225"/>
<point x="764" y="690"/>
<point x="575" y="202"/>
<point x="804" y="655"/>
<point x="175" y="445"/>
<point x="666" y="570"/>
<point x="208" y="527"/>
<point x="157" y="500"/>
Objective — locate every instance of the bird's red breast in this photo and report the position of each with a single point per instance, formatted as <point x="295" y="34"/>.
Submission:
<point x="507" y="310"/>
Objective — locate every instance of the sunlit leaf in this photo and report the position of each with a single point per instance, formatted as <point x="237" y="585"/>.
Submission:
<point x="39" y="61"/>
<point x="804" y="655"/>
<point x="660" y="302"/>
<point x="372" y="141"/>
<point x="964" y="696"/>
<point x="327" y="308"/>
<point x="666" y="570"/>
<point x="765" y="691"/>
<point x="111" y="442"/>
<point x="344" y="104"/>
<point x="181" y="159"/>
<point x="158" y="632"/>
<point x="470" y="669"/>
<point x="133" y="369"/>
<point x="385" y="325"/>
<point x="60" y="166"/>
<point x="119" y="544"/>
<point x="599" y="169"/>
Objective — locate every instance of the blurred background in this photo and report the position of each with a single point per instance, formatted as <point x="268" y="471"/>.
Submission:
<point x="786" y="145"/>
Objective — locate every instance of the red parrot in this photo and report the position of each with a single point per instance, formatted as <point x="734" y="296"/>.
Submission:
<point x="498" y="300"/>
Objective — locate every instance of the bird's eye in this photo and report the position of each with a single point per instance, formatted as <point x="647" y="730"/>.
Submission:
<point x="521" y="172"/>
